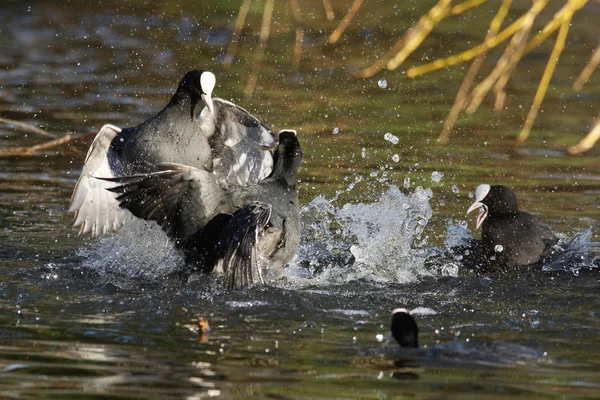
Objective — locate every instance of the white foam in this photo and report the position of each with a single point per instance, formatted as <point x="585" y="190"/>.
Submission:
<point x="246" y="304"/>
<point x="381" y="241"/>
<point x="378" y="241"/>
<point x="423" y="311"/>
<point x="139" y="250"/>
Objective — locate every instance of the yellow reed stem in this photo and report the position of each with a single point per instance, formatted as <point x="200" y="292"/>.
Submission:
<point x="587" y="142"/>
<point x="337" y="33"/>
<point x="464" y="6"/>
<point x="553" y="25"/>
<point x="511" y="56"/>
<point x="460" y="100"/>
<point x="559" y="45"/>
<point x="587" y="71"/>
<point x="467" y="55"/>
<point x="408" y="37"/>
<point x="426" y="24"/>
<point x="262" y="44"/>
<point x="235" y="37"/>
<point x="328" y="10"/>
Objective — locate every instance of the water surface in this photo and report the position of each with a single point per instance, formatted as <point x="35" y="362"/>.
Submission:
<point x="88" y="318"/>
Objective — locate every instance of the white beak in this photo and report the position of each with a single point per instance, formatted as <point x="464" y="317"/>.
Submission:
<point x="483" y="210"/>
<point x="207" y="84"/>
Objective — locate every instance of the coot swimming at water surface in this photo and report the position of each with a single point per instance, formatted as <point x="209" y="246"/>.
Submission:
<point x="242" y="232"/>
<point x="193" y="129"/>
<point x="509" y="237"/>
<point x="404" y="328"/>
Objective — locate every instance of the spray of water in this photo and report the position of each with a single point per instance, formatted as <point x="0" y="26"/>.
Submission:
<point x="382" y="241"/>
<point x="139" y="251"/>
<point x="576" y="253"/>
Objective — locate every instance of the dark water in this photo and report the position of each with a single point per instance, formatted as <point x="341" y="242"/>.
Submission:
<point x="85" y="318"/>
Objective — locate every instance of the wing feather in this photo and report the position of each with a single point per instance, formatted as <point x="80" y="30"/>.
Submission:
<point x="239" y="244"/>
<point x="97" y="210"/>
<point x="244" y="154"/>
<point x="181" y="199"/>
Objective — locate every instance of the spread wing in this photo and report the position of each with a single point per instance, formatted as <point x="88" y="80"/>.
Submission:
<point x="239" y="245"/>
<point x="96" y="210"/>
<point x="181" y="199"/>
<point x="243" y="146"/>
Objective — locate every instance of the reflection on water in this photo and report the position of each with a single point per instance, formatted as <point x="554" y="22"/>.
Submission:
<point x="105" y="317"/>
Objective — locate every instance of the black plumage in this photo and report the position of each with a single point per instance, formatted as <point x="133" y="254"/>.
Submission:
<point x="193" y="129"/>
<point x="404" y="328"/>
<point x="509" y="237"/>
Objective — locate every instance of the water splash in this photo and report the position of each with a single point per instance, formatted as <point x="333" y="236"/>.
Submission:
<point x="570" y="254"/>
<point x="140" y="250"/>
<point x="573" y="254"/>
<point x="382" y="241"/>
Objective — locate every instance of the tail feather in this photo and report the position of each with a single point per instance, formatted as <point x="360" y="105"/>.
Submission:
<point x="239" y="245"/>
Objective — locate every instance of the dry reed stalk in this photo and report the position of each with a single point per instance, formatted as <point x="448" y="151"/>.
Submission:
<point x="262" y="44"/>
<point x="587" y="71"/>
<point x="235" y="37"/>
<point x="467" y="55"/>
<point x="28" y="127"/>
<point x="27" y="151"/>
<point x="328" y="10"/>
<point x="464" y="6"/>
<point x="570" y="8"/>
<point x="461" y="96"/>
<point x="31" y="128"/>
<point x="559" y="46"/>
<point x="337" y="33"/>
<point x="409" y="41"/>
<point x="587" y="142"/>
<point x="511" y="56"/>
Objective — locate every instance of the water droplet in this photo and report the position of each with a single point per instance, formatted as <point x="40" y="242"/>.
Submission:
<point x="391" y="138"/>
<point x="455" y="189"/>
<point x="436" y="176"/>
<point x="396" y="157"/>
<point x="363" y="153"/>
<point x="382" y="83"/>
<point x="336" y="130"/>
<point x="498" y="248"/>
<point x="463" y="224"/>
<point x="407" y="183"/>
<point x="379" y="337"/>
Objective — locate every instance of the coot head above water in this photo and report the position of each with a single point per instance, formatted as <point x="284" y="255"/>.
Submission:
<point x="193" y="129"/>
<point x="404" y="328"/>
<point x="196" y="85"/>
<point x="496" y="200"/>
